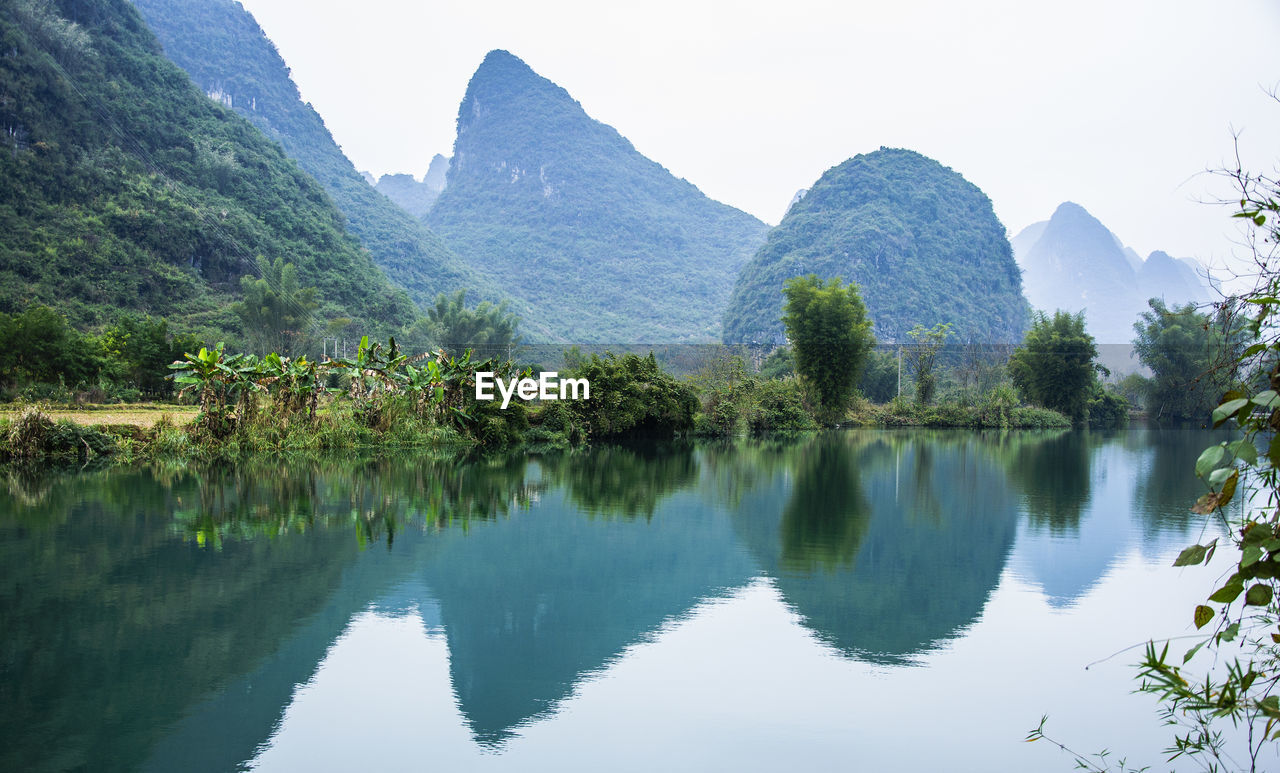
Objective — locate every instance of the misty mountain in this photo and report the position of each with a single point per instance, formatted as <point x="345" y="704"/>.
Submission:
<point x="1073" y="262"/>
<point x="922" y="242"/>
<point x="123" y="186"/>
<point x="409" y="194"/>
<point x="225" y="52"/>
<point x="602" y="243"/>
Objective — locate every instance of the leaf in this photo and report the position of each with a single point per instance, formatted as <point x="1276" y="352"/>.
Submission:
<point x="1267" y="398"/>
<point x="1191" y="556"/>
<point x="1244" y="449"/>
<point x="1228" y="593"/>
<point x="1191" y="653"/>
<point x="1203" y="616"/>
<point x="1228" y="409"/>
<point x="1230" y="633"/>
<point x="1250" y="556"/>
<point x="1209" y="459"/>
<point x="1258" y="596"/>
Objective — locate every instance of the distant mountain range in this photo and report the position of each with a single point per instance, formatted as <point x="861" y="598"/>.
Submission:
<point x="414" y="196"/>
<point x="922" y="243"/>
<point x="131" y="185"/>
<point x="603" y="244"/>
<point x="1074" y="263"/>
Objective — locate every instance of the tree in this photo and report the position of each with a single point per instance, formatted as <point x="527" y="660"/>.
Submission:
<point x="830" y="338"/>
<point x="42" y="347"/>
<point x="1181" y="345"/>
<point x="1054" y="367"/>
<point x="921" y="356"/>
<point x="276" y="310"/>
<point x="879" y="381"/>
<point x="450" y="325"/>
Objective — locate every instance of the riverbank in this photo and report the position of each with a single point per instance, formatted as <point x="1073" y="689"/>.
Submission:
<point x="990" y="415"/>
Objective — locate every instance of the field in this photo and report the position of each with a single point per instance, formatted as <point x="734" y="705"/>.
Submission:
<point x="139" y="414"/>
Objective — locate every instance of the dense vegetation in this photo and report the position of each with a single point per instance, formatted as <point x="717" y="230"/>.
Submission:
<point x="603" y="244"/>
<point x="218" y="43"/>
<point x="921" y="241"/>
<point x="45" y="358"/>
<point x="1191" y="356"/>
<point x="124" y="187"/>
<point x="1056" y="367"/>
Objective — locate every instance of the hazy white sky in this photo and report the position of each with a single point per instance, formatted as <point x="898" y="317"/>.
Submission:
<point x="1116" y="105"/>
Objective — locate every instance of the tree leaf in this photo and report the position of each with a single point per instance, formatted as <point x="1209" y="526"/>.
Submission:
<point x="1209" y="459"/>
<point x="1190" y="556"/>
<point x="1228" y="409"/>
<point x="1228" y="593"/>
<point x="1250" y="555"/>
<point x="1245" y="449"/>
<point x="1203" y="615"/>
<point x="1258" y="596"/>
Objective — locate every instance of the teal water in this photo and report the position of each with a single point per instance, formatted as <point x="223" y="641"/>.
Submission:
<point x="860" y="600"/>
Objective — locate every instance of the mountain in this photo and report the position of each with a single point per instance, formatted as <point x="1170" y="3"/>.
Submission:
<point x="1073" y="262"/>
<point x="225" y="52"/>
<point x="921" y="241"/>
<point x="123" y="186"/>
<point x="603" y="244"/>
<point x="437" y="173"/>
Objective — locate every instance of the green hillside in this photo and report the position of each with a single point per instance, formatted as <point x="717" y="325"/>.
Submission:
<point x="921" y="241"/>
<point x="122" y="186"/>
<point x="603" y="244"/>
<point x="225" y="52"/>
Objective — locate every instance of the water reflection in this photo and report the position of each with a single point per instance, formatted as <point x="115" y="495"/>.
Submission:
<point x="165" y="601"/>
<point x="903" y="536"/>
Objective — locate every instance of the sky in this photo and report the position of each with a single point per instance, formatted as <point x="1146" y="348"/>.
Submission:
<point x="1120" y="106"/>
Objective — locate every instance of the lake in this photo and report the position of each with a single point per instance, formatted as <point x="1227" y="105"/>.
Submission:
<point x="855" y="600"/>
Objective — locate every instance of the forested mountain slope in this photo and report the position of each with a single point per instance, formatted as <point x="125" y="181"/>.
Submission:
<point x="225" y="52"/>
<point x="602" y="243"/>
<point x="122" y="186"/>
<point x="923" y="244"/>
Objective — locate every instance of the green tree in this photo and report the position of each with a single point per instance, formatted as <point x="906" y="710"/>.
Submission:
<point x="1181" y="346"/>
<point x="490" y="330"/>
<point x="879" y="381"/>
<point x="41" y="347"/>
<point x="830" y="338"/>
<point x="922" y="355"/>
<point x="1054" y="367"/>
<point x="277" y="310"/>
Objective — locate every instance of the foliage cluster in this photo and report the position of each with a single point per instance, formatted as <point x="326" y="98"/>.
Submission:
<point x="733" y="401"/>
<point x="632" y="395"/>
<point x="830" y="338"/>
<point x="999" y="409"/>
<point x="44" y="357"/>
<point x="1191" y="355"/>
<point x="1056" y="367"/>
<point x="450" y="325"/>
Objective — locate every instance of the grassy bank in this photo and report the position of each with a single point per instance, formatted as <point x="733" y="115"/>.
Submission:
<point x="988" y="415"/>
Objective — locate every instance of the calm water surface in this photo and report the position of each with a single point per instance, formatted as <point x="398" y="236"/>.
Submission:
<point x="861" y="600"/>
